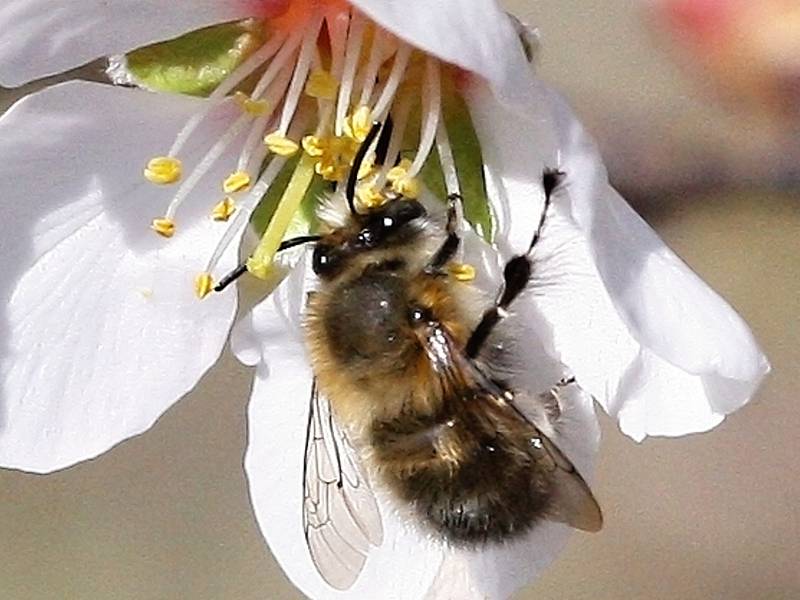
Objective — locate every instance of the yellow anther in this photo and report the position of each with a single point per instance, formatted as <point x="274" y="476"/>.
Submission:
<point x="224" y="209"/>
<point x="461" y="271"/>
<point x="236" y="182"/>
<point x="163" y="170"/>
<point x="407" y="186"/>
<point x="366" y="167"/>
<point x="253" y="107"/>
<point x="369" y="196"/>
<point x="315" y="146"/>
<point x="331" y="171"/>
<point x="399" y="171"/>
<point x="321" y="84"/>
<point x="203" y="285"/>
<point x="163" y="226"/>
<point x="357" y="125"/>
<point x="280" y="144"/>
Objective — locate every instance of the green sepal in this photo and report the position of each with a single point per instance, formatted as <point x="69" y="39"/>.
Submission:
<point x="197" y="62"/>
<point x="432" y="176"/>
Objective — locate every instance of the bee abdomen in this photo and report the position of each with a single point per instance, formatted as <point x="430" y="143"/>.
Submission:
<point x="472" y="487"/>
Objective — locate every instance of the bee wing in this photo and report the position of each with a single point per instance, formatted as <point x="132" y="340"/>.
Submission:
<point x="573" y="502"/>
<point x="340" y="514"/>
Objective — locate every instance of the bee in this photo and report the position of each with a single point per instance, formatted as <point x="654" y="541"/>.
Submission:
<point x="408" y="390"/>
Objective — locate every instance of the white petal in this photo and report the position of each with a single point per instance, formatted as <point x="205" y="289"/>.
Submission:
<point x="101" y="331"/>
<point x="40" y="37"/>
<point x="654" y="345"/>
<point x="410" y="565"/>
<point x="278" y="417"/>
<point x="667" y="306"/>
<point x="476" y="35"/>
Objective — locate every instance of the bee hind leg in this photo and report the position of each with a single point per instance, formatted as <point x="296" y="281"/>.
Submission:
<point x="516" y="274"/>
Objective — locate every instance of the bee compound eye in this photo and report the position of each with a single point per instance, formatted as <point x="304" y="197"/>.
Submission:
<point x="324" y="259"/>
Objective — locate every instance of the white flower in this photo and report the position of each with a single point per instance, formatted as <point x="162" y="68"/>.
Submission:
<point x="102" y="332"/>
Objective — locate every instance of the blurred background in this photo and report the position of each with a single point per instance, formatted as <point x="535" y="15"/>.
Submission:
<point x="696" y="106"/>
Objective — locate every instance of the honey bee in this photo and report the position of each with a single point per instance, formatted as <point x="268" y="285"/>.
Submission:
<point x="409" y="393"/>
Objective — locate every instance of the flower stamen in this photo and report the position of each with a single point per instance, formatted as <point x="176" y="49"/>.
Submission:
<point x="163" y="226"/>
<point x="203" y="285"/>
<point x="351" y="56"/>
<point x="401" y="58"/>
<point x="246" y="207"/>
<point x="357" y="125"/>
<point x="223" y="210"/>
<point x="163" y="170"/>
<point x="370" y="74"/>
<point x="280" y="144"/>
<point x="461" y="272"/>
<point x="432" y="98"/>
<point x="321" y="85"/>
<point x="446" y="159"/>
<point x="300" y="74"/>
<point x="205" y="165"/>
<point x="255" y="108"/>
<point x="236" y="182"/>
<point x="253" y="62"/>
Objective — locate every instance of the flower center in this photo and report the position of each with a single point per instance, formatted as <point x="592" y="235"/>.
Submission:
<point x="307" y="99"/>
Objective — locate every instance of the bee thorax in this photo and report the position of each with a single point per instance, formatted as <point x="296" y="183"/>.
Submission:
<point x="369" y="324"/>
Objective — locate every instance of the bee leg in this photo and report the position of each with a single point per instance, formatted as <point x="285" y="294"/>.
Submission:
<point x="242" y="268"/>
<point x="451" y="243"/>
<point x="516" y="275"/>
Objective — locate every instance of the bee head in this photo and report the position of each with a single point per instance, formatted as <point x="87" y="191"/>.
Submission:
<point x="395" y="223"/>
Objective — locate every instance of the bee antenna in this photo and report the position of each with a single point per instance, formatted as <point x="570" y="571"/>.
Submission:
<point x="357" y="162"/>
<point x="242" y="268"/>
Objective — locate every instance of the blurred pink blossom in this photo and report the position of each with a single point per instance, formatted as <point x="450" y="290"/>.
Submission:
<point x="748" y="50"/>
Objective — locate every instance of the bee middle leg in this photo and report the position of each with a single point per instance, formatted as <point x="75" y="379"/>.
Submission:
<point x="516" y="274"/>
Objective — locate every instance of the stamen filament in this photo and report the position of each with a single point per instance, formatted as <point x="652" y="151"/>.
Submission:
<point x="282" y="59"/>
<point x="246" y="207"/>
<point x="338" y="30"/>
<point x="254" y="138"/>
<point x="401" y="58"/>
<point x="370" y="74"/>
<point x="400" y="113"/>
<point x="255" y="60"/>
<point x="433" y="102"/>
<point x="205" y="165"/>
<point x="300" y="74"/>
<point x="446" y="159"/>
<point x="352" y="54"/>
